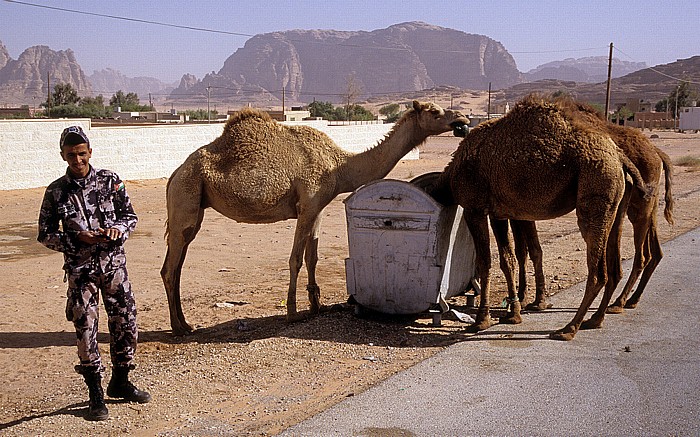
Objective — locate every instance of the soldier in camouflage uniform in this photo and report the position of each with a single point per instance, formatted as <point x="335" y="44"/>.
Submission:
<point x="87" y="215"/>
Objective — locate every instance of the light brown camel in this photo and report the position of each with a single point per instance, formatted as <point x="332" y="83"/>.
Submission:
<point x="537" y="163"/>
<point x="260" y="171"/>
<point x="641" y="211"/>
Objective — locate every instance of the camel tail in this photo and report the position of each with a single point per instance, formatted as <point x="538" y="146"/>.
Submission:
<point x="668" y="177"/>
<point x="633" y="172"/>
<point x="167" y="189"/>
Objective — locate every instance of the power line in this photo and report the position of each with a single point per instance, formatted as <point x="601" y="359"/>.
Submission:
<point x="659" y="72"/>
<point x="137" y="20"/>
<point x="225" y="32"/>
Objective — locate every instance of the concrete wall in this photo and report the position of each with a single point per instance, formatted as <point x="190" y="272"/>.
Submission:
<point x="29" y="149"/>
<point x="689" y="118"/>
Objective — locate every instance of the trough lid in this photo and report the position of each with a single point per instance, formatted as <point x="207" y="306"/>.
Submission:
<point x="392" y="195"/>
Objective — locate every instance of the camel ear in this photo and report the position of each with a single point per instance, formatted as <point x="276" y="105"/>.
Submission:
<point x="417" y="106"/>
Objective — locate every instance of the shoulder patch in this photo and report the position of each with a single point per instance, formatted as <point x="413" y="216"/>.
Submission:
<point x="120" y="186"/>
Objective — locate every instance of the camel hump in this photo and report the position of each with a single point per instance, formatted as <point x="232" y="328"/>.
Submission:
<point x="247" y="114"/>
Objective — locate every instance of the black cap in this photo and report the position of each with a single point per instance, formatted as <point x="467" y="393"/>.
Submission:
<point x="73" y="135"/>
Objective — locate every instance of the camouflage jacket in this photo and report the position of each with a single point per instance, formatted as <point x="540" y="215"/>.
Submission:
<point x="72" y="205"/>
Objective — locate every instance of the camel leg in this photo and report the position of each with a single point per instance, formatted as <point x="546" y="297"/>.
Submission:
<point x="521" y="256"/>
<point x="479" y="229"/>
<point x="311" y="259"/>
<point x="613" y="261"/>
<point x="182" y="228"/>
<point x="655" y="257"/>
<point x="301" y="235"/>
<point x="528" y="236"/>
<point x="507" y="263"/>
<point x="596" y="214"/>
<point x="647" y="255"/>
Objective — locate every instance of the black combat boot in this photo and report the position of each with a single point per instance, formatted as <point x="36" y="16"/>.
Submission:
<point x="97" y="410"/>
<point x="120" y="387"/>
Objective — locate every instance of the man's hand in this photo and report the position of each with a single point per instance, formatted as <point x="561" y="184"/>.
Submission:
<point x="99" y="236"/>
<point x="110" y="233"/>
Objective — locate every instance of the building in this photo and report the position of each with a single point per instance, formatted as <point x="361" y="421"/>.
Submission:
<point x="652" y="120"/>
<point x="21" y="112"/>
<point x="689" y="118"/>
<point x="638" y="105"/>
<point x="150" y="116"/>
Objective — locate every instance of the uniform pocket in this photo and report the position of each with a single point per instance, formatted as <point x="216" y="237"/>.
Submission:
<point x="106" y="206"/>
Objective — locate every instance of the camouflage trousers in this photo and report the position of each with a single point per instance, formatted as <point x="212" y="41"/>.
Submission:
<point x="82" y="308"/>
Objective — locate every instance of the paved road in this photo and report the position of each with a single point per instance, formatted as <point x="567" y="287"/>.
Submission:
<point x="639" y="375"/>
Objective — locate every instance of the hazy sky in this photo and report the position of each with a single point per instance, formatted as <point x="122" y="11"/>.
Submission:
<point x="533" y="31"/>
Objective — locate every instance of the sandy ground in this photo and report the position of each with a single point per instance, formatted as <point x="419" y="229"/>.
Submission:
<point x="245" y="371"/>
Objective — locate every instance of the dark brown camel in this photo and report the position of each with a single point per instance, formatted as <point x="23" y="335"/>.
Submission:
<point x="538" y="163"/>
<point x="641" y="211"/>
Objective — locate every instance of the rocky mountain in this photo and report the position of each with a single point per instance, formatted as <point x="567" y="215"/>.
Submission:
<point x="4" y="55"/>
<point x="327" y="64"/>
<point x="650" y="84"/>
<point x="26" y="80"/>
<point x="109" y="81"/>
<point x="592" y="69"/>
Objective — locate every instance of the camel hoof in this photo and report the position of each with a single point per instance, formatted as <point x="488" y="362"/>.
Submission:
<point x="592" y="324"/>
<point x="631" y="305"/>
<point x="562" y="335"/>
<point x="511" y="319"/>
<point x="614" y="309"/>
<point x="295" y="317"/>
<point x="183" y="328"/>
<point x="480" y="325"/>
<point x="538" y="306"/>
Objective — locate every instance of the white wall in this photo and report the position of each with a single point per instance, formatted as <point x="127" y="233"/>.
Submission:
<point x="29" y="149"/>
<point x="689" y="118"/>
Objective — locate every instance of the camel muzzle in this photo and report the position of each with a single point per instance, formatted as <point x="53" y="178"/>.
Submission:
<point x="460" y="129"/>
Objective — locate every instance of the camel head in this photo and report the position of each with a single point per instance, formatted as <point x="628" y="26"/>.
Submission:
<point x="434" y="120"/>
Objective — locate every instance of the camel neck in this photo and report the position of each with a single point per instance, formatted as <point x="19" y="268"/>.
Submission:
<point x="378" y="161"/>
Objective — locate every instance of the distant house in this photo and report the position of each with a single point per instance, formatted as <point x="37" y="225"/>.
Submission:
<point x="21" y="112"/>
<point x="689" y="118"/>
<point x="150" y="116"/>
<point x="638" y="105"/>
<point x="652" y="120"/>
<point x="295" y="114"/>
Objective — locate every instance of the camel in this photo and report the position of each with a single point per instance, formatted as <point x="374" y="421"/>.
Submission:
<point x="260" y="171"/>
<point x="641" y="211"/>
<point x="538" y="163"/>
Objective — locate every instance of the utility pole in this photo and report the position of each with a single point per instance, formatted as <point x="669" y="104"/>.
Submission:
<point x="48" y="98"/>
<point x="282" y="102"/>
<point x="607" y="92"/>
<point x="675" y="112"/>
<point x="208" y="95"/>
<point x="488" y="109"/>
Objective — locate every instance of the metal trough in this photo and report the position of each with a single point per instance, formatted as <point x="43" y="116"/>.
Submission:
<point x="407" y="253"/>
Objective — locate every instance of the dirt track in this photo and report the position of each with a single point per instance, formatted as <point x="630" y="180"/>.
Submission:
<point x="245" y="371"/>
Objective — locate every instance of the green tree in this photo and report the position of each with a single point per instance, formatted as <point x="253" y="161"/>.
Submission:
<point x="621" y="115"/>
<point x="392" y="112"/>
<point x="321" y="109"/>
<point x="95" y="107"/>
<point x="200" y="114"/>
<point x="64" y="94"/>
<point x="356" y="113"/>
<point x="682" y="95"/>
<point x="128" y="102"/>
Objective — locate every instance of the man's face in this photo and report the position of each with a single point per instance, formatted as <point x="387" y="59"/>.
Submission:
<point x="78" y="159"/>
